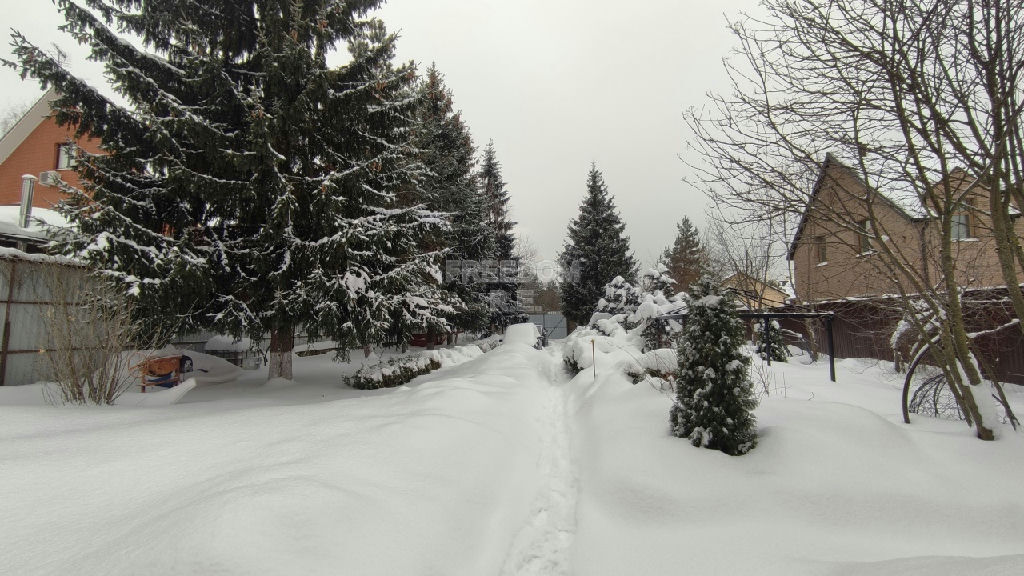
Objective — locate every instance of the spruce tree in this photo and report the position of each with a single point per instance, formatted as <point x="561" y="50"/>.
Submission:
<point x="620" y="297"/>
<point x="449" y="186"/>
<point x="658" y="279"/>
<point x="715" y="397"/>
<point x="686" y="259"/>
<point x="246" y="187"/>
<point x="659" y="289"/>
<point x="595" y="252"/>
<point x="494" y="191"/>
<point x="771" y="346"/>
<point x="505" y="309"/>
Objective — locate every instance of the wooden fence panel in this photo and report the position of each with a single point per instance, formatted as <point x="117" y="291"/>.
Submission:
<point x="864" y="328"/>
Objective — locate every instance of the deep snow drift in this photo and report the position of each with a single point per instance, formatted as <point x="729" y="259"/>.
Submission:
<point x="504" y="465"/>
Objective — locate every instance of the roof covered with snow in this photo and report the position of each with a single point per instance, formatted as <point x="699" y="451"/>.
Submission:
<point x="40" y="225"/>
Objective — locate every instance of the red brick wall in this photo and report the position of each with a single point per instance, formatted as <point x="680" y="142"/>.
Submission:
<point x="36" y="154"/>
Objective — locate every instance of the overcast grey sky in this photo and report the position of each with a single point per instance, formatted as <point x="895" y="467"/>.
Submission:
<point x="557" y="84"/>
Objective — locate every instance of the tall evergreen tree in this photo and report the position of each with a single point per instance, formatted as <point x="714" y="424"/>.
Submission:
<point x="248" y="188"/>
<point x="449" y="185"/>
<point x="494" y="191"/>
<point x="505" y="307"/>
<point x="596" y="251"/>
<point x="715" y="397"/>
<point x="687" y="258"/>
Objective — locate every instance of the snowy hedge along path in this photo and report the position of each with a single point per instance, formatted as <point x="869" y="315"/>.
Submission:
<point x="504" y="465"/>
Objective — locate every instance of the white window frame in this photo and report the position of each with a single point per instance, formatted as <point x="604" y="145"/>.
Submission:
<point x="961" y="226"/>
<point x="865" y="234"/>
<point x="67" y="156"/>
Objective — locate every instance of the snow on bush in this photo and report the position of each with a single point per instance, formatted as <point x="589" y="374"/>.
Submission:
<point x="620" y="297"/>
<point x="578" y="349"/>
<point x="395" y="372"/>
<point x="662" y="364"/>
<point x="635" y="308"/>
<point x="773" y="346"/>
<point x="625" y="322"/>
<point x="404" y="369"/>
<point x="489" y="343"/>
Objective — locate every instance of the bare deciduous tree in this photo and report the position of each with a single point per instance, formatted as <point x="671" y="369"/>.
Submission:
<point x="92" y="340"/>
<point x="750" y="256"/>
<point x="10" y="117"/>
<point x="922" y="101"/>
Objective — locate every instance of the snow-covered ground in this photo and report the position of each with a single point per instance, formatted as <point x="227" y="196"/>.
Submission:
<point x="502" y="464"/>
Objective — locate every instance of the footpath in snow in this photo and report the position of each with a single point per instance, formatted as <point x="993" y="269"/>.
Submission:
<point x="503" y="465"/>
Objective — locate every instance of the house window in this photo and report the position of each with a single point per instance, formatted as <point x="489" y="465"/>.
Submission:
<point x="66" y="156"/>
<point x="819" y="244"/>
<point x="962" y="225"/>
<point x="864" y="233"/>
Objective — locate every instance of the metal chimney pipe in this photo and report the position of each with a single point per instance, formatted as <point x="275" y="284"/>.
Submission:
<point x="28" y="186"/>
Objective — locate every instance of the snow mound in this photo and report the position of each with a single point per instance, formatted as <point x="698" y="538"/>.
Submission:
<point x="158" y="397"/>
<point x="522" y="334"/>
<point x="616" y="347"/>
<point x="455" y="356"/>
<point x="221" y="343"/>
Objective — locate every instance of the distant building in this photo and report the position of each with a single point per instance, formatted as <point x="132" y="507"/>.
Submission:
<point x="36" y="145"/>
<point x="753" y="293"/>
<point x="832" y="254"/>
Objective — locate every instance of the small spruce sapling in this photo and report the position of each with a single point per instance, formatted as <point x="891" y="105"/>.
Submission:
<point x="771" y="345"/>
<point x="714" y="395"/>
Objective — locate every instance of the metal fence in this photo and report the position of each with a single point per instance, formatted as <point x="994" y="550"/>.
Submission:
<point x="27" y="289"/>
<point x="551" y="323"/>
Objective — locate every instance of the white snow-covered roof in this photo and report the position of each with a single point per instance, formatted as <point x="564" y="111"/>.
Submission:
<point x="22" y="128"/>
<point x="40" y="225"/>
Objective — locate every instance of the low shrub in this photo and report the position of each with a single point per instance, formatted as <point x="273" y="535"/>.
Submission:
<point x="396" y="372"/>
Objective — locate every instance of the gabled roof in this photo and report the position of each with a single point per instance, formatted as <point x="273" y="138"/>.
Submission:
<point x="35" y="116"/>
<point x="909" y="208"/>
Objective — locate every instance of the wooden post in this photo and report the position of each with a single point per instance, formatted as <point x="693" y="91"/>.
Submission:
<point x="831" y="349"/>
<point x="6" y="343"/>
<point x="765" y="335"/>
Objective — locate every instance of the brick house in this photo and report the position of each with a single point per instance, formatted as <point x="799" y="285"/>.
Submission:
<point x="36" y="144"/>
<point x="832" y="259"/>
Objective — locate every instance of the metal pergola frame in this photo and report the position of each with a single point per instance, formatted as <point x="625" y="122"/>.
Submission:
<point x="828" y="317"/>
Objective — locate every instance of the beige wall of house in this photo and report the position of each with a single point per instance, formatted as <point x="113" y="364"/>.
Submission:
<point x="831" y="260"/>
<point x="976" y="260"/>
<point x="754" y="294"/>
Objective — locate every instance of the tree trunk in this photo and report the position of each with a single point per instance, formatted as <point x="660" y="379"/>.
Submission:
<point x="970" y="380"/>
<point x="282" y="341"/>
<point x="1006" y="248"/>
<point x="967" y="375"/>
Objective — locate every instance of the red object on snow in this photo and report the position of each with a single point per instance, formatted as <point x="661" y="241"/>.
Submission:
<point x="421" y="340"/>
